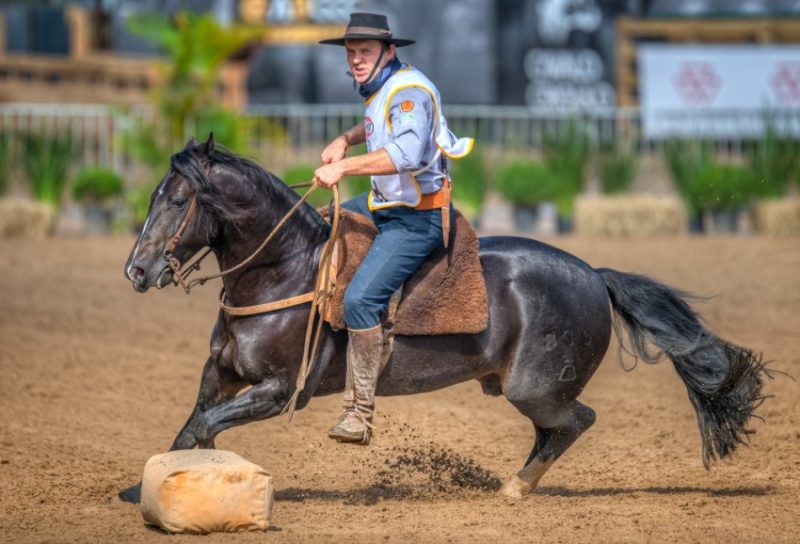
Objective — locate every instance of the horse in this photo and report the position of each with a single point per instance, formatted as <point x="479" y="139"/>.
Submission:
<point x="551" y="316"/>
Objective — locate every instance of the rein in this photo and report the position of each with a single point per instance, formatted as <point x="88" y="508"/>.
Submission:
<point x="180" y="276"/>
<point x="319" y="297"/>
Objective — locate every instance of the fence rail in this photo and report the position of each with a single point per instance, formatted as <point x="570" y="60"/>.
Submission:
<point x="285" y="135"/>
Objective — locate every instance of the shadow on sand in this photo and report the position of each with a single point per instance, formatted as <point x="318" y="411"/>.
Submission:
<point x="373" y="494"/>
<point x="753" y="491"/>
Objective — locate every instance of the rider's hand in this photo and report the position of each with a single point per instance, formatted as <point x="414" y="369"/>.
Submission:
<point x="335" y="151"/>
<point x="328" y="175"/>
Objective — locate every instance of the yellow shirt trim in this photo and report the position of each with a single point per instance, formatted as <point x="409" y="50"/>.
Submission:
<point x="370" y="203"/>
<point x="405" y="68"/>
<point x="452" y="156"/>
<point x="408" y="86"/>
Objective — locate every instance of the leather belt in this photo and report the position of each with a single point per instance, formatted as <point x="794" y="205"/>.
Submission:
<point x="440" y="199"/>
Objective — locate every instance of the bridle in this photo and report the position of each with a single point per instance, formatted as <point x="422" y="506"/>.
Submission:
<point x="180" y="275"/>
<point x="319" y="297"/>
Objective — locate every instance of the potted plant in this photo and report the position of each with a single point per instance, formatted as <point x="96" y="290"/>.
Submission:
<point x="774" y="160"/>
<point x="684" y="160"/>
<point x="615" y="168"/>
<point x="93" y="188"/>
<point x="526" y="184"/>
<point x="566" y="153"/>
<point x="718" y="192"/>
<point x="46" y="159"/>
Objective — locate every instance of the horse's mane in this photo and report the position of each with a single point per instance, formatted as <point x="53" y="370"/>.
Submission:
<point x="269" y="195"/>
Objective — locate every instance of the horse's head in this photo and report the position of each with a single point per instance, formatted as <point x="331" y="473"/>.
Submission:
<point x="212" y="197"/>
<point x="177" y="224"/>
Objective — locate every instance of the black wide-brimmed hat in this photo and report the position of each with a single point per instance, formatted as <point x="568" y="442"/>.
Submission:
<point x="368" y="26"/>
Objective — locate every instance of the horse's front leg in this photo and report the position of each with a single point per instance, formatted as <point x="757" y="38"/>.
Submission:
<point x="216" y="387"/>
<point x="262" y="401"/>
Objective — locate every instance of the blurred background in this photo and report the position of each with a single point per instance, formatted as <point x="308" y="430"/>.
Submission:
<point x="600" y="117"/>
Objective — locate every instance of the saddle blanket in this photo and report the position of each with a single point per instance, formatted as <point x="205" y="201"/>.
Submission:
<point x="446" y="295"/>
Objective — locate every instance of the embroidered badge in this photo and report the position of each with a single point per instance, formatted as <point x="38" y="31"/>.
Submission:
<point x="406" y="106"/>
<point x="368" y="126"/>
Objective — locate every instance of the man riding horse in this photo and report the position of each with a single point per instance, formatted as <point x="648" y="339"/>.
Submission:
<point x="408" y="147"/>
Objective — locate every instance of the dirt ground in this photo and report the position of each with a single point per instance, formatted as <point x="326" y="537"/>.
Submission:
<point x="95" y="378"/>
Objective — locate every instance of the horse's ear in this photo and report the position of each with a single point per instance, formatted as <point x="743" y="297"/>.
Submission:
<point x="191" y="143"/>
<point x="210" y="144"/>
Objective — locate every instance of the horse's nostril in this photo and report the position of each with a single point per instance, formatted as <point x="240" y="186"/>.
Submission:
<point x="136" y="273"/>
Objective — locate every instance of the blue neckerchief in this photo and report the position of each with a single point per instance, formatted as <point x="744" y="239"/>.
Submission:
<point x="386" y="72"/>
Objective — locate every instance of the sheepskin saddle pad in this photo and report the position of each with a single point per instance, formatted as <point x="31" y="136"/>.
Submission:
<point x="446" y="295"/>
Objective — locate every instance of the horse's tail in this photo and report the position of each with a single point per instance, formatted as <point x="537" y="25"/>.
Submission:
<point x="723" y="380"/>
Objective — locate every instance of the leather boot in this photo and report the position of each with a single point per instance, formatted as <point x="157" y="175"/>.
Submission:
<point x="364" y="354"/>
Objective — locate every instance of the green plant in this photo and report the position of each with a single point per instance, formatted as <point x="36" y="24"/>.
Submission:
<point x="46" y="159"/>
<point x="774" y="159"/>
<point x="722" y="187"/>
<point x="566" y="153"/>
<point x="616" y="168"/>
<point x="527" y="183"/>
<point x="185" y="97"/>
<point x="685" y="158"/>
<point x="5" y="161"/>
<point x="96" y="185"/>
<point x="304" y="173"/>
<point x="470" y="182"/>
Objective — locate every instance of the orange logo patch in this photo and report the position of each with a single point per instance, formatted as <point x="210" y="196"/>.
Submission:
<point x="406" y="106"/>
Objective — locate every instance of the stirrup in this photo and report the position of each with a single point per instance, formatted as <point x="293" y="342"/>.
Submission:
<point x="343" y="435"/>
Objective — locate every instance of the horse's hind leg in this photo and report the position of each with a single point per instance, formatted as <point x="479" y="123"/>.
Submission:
<point x="557" y="427"/>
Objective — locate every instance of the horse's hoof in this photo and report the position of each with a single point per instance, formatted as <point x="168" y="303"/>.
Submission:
<point x="133" y="494"/>
<point x="515" y="488"/>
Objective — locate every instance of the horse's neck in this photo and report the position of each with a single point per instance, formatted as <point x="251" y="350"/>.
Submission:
<point x="285" y="267"/>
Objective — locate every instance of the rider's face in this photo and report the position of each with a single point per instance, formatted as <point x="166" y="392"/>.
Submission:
<point x="362" y="56"/>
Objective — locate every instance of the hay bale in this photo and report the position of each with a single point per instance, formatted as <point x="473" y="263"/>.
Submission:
<point x="205" y="491"/>
<point x="778" y="217"/>
<point x="25" y="219"/>
<point x="630" y="216"/>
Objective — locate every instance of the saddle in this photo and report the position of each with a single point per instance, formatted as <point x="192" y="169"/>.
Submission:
<point x="446" y="295"/>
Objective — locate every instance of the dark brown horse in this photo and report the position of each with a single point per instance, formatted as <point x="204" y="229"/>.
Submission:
<point x="550" y="321"/>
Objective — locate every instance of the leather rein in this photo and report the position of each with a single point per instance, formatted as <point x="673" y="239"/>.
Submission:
<point x="319" y="297"/>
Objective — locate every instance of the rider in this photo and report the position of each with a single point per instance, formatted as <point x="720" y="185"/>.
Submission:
<point x="408" y="146"/>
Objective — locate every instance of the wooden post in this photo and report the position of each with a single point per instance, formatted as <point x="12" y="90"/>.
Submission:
<point x="234" y="85"/>
<point x="2" y="34"/>
<point x="80" y="32"/>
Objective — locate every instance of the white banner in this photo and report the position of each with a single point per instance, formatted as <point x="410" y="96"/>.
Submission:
<point x="719" y="91"/>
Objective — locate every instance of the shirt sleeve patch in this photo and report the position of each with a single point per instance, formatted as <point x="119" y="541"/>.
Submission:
<point x="406" y="106"/>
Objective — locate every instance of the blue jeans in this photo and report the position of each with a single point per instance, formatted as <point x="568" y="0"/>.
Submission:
<point x="406" y="236"/>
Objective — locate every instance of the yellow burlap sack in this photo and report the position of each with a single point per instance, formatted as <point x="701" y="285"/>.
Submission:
<point x="205" y="491"/>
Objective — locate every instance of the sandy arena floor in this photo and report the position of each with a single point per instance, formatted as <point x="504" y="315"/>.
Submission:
<point x="95" y="378"/>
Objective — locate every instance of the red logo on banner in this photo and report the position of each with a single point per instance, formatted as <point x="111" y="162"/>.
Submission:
<point x="697" y="83"/>
<point x="786" y="83"/>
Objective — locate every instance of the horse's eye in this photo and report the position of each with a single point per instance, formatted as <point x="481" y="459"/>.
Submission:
<point x="178" y="203"/>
